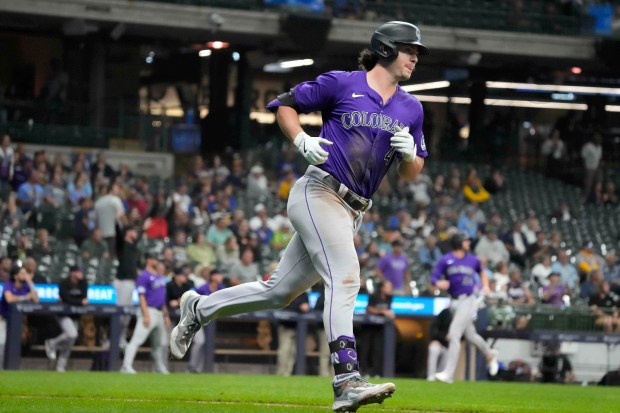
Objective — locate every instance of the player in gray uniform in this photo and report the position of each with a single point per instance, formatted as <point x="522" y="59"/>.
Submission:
<point x="369" y="122"/>
<point x="457" y="272"/>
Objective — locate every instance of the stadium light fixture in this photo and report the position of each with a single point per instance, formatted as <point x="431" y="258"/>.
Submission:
<point x="426" y="86"/>
<point x="296" y="63"/>
<point x="612" y="108"/>
<point x="613" y="91"/>
<point x="205" y="53"/>
<point x="218" y="45"/>
<point x="535" y="104"/>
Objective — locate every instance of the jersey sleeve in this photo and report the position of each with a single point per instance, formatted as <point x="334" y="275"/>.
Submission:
<point x="312" y="96"/>
<point x="141" y="285"/>
<point x="438" y="271"/>
<point x="418" y="133"/>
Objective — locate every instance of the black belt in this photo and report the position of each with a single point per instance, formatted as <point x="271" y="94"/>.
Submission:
<point x="352" y="199"/>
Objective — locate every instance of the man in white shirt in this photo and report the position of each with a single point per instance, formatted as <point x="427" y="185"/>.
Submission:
<point x="109" y="211"/>
<point x="592" y="153"/>
<point x="492" y="248"/>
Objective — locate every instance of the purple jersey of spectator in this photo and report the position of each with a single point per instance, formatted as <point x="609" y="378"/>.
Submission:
<point x="461" y="272"/>
<point x="205" y="289"/>
<point x="10" y="286"/>
<point x="153" y="288"/>
<point x="393" y="268"/>
<point x="556" y="294"/>
<point x="360" y="124"/>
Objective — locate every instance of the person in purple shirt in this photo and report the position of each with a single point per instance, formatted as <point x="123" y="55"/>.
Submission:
<point x="554" y="292"/>
<point x="394" y="267"/>
<point x="152" y="317"/>
<point x="19" y="288"/>
<point x="214" y="283"/>
<point x="460" y="273"/>
<point x="369" y="124"/>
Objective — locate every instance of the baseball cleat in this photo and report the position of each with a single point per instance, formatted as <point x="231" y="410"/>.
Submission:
<point x="50" y="351"/>
<point x="182" y="334"/>
<point x="351" y="394"/>
<point x="493" y="363"/>
<point x="443" y="377"/>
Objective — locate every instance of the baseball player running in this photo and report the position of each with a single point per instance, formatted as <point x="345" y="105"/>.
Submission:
<point x="369" y="122"/>
<point x="457" y="272"/>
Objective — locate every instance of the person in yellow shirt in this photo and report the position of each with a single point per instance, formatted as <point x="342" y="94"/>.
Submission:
<point x="473" y="189"/>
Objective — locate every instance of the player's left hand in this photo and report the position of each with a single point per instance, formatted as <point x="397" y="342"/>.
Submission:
<point x="402" y="141"/>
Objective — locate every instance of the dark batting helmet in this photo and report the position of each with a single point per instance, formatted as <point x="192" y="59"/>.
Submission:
<point x="456" y="242"/>
<point x="384" y="42"/>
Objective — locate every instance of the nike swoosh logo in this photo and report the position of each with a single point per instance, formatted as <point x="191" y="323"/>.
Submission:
<point x="355" y="95"/>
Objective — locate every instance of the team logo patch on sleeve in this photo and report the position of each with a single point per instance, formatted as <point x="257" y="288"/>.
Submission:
<point x="422" y="143"/>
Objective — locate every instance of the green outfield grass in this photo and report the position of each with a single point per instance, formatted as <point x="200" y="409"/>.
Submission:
<point x="36" y="391"/>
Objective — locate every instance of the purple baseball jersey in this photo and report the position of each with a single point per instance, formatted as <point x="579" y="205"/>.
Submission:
<point x="461" y="272"/>
<point x="360" y="124"/>
<point x="153" y="288"/>
<point x="205" y="289"/>
<point x="10" y="286"/>
<point x="393" y="268"/>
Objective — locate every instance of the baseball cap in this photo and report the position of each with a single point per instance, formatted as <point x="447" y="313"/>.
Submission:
<point x="151" y="256"/>
<point x="259" y="207"/>
<point x="553" y="274"/>
<point x="75" y="268"/>
<point x="256" y="169"/>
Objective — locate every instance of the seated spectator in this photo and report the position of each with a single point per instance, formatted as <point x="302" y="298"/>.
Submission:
<point x="12" y="215"/>
<point x="21" y="249"/>
<point x="5" y="269"/>
<point x="94" y="247"/>
<point x="101" y="172"/>
<point x="610" y="194"/>
<point x="555" y="243"/>
<point x="201" y="252"/>
<point x="246" y="270"/>
<point x="567" y="271"/>
<point x="228" y="253"/>
<point x="41" y="247"/>
<point x="30" y="265"/>
<point x="531" y="228"/>
<point x="258" y="186"/>
<point x="394" y="267"/>
<point x="19" y="288"/>
<point x="219" y="231"/>
<point x="605" y="308"/>
<point x="420" y="189"/>
<point x="491" y="248"/>
<point x="79" y="188"/>
<point x="590" y="286"/>
<point x="180" y="198"/>
<point x="516" y="244"/>
<point x="562" y="212"/>
<point x="281" y="238"/>
<point x="55" y="194"/>
<point x="179" y="248"/>
<point x="501" y="276"/>
<point x="553" y="293"/>
<point x="541" y="271"/>
<point x="429" y="253"/>
<point x="83" y="221"/>
<point x="473" y="190"/>
<point x="261" y="218"/>
<point x="467" y="223"/>
<point x="7" y="162"/>
<point x="286" y="183"/>
<point x="611" y="271"/>
<point x="587" y="260"/>
<point x="495" y="182"/>
<point x="539" y="247"/>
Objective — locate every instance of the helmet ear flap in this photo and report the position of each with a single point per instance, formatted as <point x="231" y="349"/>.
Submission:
<point x="383" y="47"/>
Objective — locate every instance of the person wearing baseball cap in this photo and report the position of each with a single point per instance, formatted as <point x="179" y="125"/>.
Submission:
<point x="72" y="291"/>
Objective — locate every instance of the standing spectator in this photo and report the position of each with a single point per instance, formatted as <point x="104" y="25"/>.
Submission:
<point x="30" y="193"/>
<point x="125" y="282"/>
<point x="79" y="188"/>
<point x="495" y="182"/>
<point x="19" y="288"/>
<point x="592" y="153"/>
<point x="152" y="318"/>
<point x="215" y="282"/>
<point x="589" y="287"/>
<point x="473" y="190"/>
<point x="246" y="270"/>
<point x="72" y="290"/>
<point x="394" y="267"/>
<point x="7" y="162"/>
<point x="438" y="345"/>
<point x="554" y="151"/>
<point x="467" y="223"/>
<point x="429" y="253"/>
<point x="94" y="247"/>
<point x="371" y="343"/>
<point x="55" y="194"/>
<point x="553" y="293"/>
<point x="287" y="335"/>
<point x="110" y="214"/>
<point x="491" y="248"/>
<point x="540" y="272"/>
<point x="219" y="231"/>
<point x="567" y="271"/>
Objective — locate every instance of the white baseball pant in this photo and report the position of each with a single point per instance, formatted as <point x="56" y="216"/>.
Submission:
<point x="63" y="342"/>
<point x="124" y="293"/>
<point x="159" y="338"/>
<point x="321" y="248"/>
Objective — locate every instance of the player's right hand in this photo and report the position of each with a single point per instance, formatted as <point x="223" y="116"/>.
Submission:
<point x="310" y="148"/>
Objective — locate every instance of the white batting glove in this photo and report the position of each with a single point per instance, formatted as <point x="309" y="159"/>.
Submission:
<point x="402" y="141"/>
<point x="310" y="148"/>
